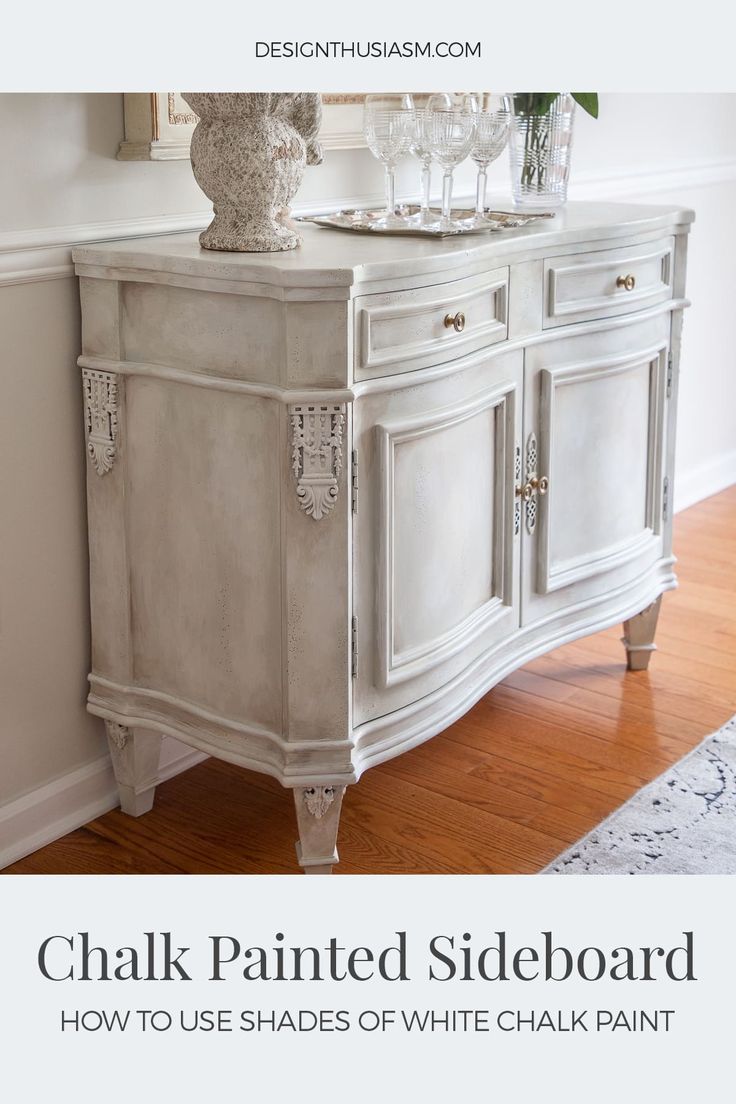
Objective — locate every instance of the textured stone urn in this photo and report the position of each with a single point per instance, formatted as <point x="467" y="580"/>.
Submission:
<point x="248" y="154"/>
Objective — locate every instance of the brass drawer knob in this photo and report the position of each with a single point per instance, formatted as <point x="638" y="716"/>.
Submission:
<point x="628" y="282"/>
<point x="457" y="321"/>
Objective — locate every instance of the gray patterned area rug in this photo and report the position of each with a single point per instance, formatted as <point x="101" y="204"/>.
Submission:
<point x="682" y="823"/>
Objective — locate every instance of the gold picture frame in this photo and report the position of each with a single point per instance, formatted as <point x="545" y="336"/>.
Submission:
<point x="159" y="125"/>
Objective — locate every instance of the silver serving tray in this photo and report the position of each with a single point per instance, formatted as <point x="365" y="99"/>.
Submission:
<point x="367" y="222"/>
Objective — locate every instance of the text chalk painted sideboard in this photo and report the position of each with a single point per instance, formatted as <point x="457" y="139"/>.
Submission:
<point x="336" y="494"/>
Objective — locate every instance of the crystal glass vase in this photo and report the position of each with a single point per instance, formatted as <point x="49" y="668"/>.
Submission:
<point x="540" y="146"/>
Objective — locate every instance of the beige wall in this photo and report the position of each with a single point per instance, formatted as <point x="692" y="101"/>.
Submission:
<point x="44" y="729"/>
<point x="60" y="175"/>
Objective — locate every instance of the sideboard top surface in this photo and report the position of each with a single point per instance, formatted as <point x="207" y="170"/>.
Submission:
<point x="338" y="260"/>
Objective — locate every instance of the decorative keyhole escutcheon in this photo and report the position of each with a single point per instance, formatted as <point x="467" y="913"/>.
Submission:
<point x="535" y="484"/>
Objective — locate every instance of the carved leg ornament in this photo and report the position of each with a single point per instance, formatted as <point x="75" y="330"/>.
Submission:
<point x="638" y="638"/>
<point x="318" y="818"/>
<point x="135" y="755"/>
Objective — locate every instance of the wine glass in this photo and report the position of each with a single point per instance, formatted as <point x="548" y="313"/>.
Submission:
<point x="388" y="124"/>
<point x="491" y="135"/>
<point x="421" y="148"/>
<point x="452" y="122"/>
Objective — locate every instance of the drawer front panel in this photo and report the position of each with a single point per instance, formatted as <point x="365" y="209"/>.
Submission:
<point x="603" y="284"/>
<point x="402" y="331"/>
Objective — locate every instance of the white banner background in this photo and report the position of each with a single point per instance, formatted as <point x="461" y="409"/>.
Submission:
<point x="42" y="1063"/>
<point x="660" y="45"/>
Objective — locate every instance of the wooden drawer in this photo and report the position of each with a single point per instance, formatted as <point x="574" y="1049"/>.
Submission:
<point x="584" y="286"/>
<point x="405" y="330"/>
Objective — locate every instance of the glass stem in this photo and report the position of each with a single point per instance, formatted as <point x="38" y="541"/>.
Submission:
<point x="390" y="190"/>
<point x="426" y="184"/>
<point x="480" y="191"/>
<point x="446" y="195"/>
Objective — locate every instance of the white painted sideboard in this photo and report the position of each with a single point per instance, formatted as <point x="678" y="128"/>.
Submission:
<point x="336" y="494"/>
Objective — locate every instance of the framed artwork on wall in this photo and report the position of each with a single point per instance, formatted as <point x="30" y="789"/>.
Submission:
<point x="159" y="125"/>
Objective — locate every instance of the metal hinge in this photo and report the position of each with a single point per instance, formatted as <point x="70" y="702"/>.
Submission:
<point x="354" y="642"/>
<point x="354" y="479"/>
<point x="670" y="373"/>
<point x="665" y="497"/>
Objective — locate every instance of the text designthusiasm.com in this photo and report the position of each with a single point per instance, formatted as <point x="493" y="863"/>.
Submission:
<point x="336" y="50"/>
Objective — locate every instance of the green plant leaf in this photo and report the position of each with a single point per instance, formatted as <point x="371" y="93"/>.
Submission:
<point x="539" y="103"/>
<point x="533" y="103"/>
<point x="588" y="101"/>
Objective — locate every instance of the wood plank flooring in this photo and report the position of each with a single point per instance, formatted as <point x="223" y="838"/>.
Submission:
<point x="537" y="763"/>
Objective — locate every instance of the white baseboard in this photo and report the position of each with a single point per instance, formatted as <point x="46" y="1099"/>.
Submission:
<point x="61" y="806"/>
<point x="707" y="479"/>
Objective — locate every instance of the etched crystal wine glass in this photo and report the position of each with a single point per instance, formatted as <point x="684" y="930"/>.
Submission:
<point x="388" y="124"/>
<point x="452" y="122"/>
<point x="421" y="148"/>
<point x="491" y="136"/>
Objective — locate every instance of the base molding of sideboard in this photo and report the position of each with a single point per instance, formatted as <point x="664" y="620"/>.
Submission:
<point x="386" y="737"/>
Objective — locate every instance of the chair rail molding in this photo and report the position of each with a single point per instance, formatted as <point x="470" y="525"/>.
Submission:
<point x="44" y="253"/>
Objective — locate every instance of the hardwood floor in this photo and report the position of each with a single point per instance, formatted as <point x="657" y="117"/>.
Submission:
<point x="537" y="763"/>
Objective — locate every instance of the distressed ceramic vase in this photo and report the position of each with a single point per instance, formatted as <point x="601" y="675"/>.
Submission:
<point x="248" y="155"/>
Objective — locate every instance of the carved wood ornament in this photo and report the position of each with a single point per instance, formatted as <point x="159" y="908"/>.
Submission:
<point x="100" y="391"/>
<point x="316" y="454"/>
<point x="117" y="734"/>
<point x="318" y="800"/>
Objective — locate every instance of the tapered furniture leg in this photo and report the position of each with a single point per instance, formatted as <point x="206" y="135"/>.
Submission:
<point x="135" y="754"/>
<point x="638" y="638"/>
<point x="318" y="818"/>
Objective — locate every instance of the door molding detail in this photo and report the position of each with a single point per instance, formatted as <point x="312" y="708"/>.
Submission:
<point x="393" y="667"/>
<point x="614" y="555"/>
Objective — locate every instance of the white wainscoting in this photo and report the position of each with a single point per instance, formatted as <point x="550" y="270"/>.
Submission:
<point x="45" y="254"/>
<point x="34" y="256"/>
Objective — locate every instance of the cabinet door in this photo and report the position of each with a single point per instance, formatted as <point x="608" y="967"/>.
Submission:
<point x="593" y="452"/>
<point x="435" y="552"/>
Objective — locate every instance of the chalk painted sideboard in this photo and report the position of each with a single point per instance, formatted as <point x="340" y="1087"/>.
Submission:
<point x="336" y="494"/>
